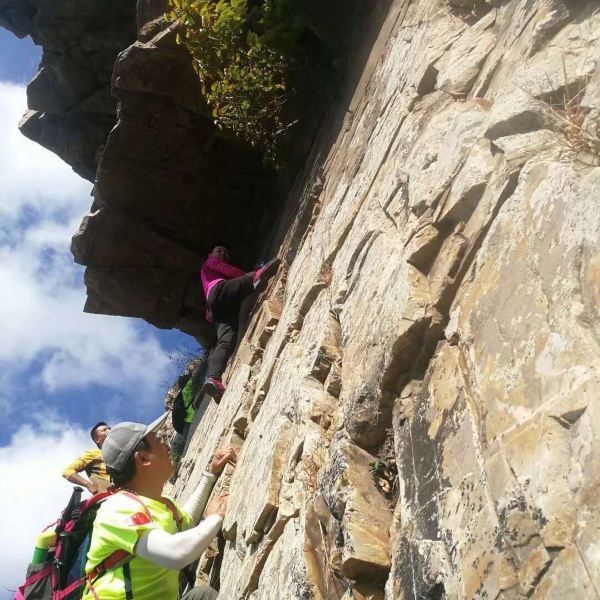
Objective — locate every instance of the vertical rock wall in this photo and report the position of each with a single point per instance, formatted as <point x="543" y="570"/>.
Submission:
<point x="416" y="403"/>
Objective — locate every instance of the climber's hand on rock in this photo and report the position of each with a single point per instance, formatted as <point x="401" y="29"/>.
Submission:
<point x="218" y="505"/>
<point x="221" y="458"/>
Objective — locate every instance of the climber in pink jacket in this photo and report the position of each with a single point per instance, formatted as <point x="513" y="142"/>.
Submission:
<point x="225" y="288"/>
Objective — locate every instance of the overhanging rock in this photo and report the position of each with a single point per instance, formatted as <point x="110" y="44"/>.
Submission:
<point x="128" y="115"/>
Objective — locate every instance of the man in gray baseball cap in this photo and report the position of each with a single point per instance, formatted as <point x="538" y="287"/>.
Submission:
<point x="122" y="440"/>
<point x="161" y="537"/>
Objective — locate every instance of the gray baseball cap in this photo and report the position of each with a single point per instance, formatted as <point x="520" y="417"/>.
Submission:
<point x="122" y="440"/>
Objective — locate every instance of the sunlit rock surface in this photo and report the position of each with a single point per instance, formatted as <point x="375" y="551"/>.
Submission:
<point x="418" y="398"/>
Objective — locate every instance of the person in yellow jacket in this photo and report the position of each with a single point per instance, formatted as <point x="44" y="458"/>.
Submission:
<point x="92" y="463"/>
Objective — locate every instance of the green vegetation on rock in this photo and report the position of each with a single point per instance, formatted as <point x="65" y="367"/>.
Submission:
<point x="245" y="53"/>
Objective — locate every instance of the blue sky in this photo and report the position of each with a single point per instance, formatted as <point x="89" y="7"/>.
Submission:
<point x="61" y="370"/>
<point x="18" y="58"/>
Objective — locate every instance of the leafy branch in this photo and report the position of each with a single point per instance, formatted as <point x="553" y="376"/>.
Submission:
<point x="245" y="60"/>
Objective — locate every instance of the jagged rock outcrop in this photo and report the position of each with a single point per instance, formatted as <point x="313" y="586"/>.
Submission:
<point x="71" y="106"/>
<point x="117" y="98"/>
<point x="417" y="401"/>
<point x="168" y="172"/>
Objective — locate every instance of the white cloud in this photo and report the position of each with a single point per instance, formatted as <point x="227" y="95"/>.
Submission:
<point x="34" y="491"/>
<point x="42" y="313"/>
<point x="30" y="175"/>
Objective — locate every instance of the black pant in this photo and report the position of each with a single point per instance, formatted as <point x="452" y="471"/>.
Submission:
<point x="200" y="592"/>
<point x="224" y="302"/>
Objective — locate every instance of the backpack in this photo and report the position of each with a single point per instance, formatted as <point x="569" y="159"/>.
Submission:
<point x="180" y="408"/>
<point x="179" y="412"/>
<point x="62" y="576"/>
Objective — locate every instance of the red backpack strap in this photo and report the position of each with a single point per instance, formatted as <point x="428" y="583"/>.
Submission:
<point x="176" y="514"/>
<point x="168" y="503"/>
<point x="100" y="496"/>
<point x="117" y="559"/>
<point x="45" y="572"/>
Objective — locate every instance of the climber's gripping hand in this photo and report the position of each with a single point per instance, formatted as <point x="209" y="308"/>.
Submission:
<point x="221" y="458"/>
<point x="218" y="506"/>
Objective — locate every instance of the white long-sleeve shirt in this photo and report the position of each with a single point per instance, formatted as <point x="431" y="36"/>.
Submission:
<point x="175" y="551"/>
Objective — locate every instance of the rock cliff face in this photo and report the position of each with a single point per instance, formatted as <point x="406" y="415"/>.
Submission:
<point x="167" y="186"/>
<point x="416" y="397"/>
<point x="416" y="402"/>
<point x="71" y="106"/>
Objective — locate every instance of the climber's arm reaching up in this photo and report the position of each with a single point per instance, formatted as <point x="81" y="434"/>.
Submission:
<point x="224" y="268"/>
<point x="175" y="551"/>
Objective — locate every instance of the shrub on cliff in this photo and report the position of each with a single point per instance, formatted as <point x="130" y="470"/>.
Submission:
<point x="245" y="53"/>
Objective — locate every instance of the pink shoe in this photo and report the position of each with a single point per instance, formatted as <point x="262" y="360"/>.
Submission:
<point x="214" y="388"/>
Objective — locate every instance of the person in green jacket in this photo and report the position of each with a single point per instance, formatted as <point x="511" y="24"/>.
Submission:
<point x="187" y="394"/>
<point x="189" y="384"/>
